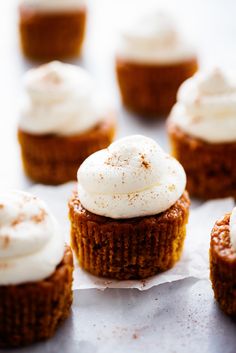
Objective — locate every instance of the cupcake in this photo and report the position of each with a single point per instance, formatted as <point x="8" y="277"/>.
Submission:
<point x="35" y="271"/>
<point x="52" y="29"/>
<point x="63" y="121"/>
<point x="129" y="213"/>
<point x="223" y="262"/>
<point x="152" y="61"/>
<point x="202" y="131"/>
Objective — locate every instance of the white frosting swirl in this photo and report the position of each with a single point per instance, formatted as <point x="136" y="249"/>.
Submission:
<point x="133" y="177"/>
<point x="61" y="99"/>
<point x="31" y="245"/>
<point x="232" y="228"/>
<point x="54" y="5"/>
<point x="153" y="38"/>
<point x="206" y="107"/>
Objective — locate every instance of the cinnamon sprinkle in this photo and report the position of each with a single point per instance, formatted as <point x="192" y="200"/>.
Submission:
<point x="5" y="240"/>
<point x="18" y="220"/>
<point x="39" y="217"/>
<point x="144" y="162"/>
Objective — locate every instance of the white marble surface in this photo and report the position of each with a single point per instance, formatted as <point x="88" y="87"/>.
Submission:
<point x="183" y="316"/>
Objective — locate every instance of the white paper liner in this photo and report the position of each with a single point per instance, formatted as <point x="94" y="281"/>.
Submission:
<point x="194" y="261"/>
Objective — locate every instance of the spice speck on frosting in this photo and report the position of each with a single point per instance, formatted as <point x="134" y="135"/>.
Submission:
<point x="39" y="217"/>
<point x="4" y="241"/>
<point x="144" y="162"/>
<point x="139" y="179"/>
<point x="116" y="160"/>
<point x="20" y="218"/>
<point x="52" y="77"/>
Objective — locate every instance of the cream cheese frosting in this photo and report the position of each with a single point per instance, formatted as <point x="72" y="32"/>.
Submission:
<point x="133" y="177"/>
<point x="153" y="38"/>
<point x="31" y="245"/>
<point x="54" y="5"/>
<point x="60" y="99"/>
<point x="233" y="228"/>
<point x="206" y="107"/>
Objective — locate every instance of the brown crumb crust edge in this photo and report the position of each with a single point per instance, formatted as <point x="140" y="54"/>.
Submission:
<point x="210" y="168"/>
<point x="150" y="90"/>
<point x="51" y="159"/>
<point x="47" y="36"/>
<point x="128" y="249"/>
<point x="223" y="266"/>
<point x="31" y="312"/>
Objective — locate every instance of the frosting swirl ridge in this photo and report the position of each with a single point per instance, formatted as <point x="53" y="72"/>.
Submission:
<point x="153" y="38"/>
<point x="60" y="100"/>
<point x="206" y="107"/>
<point x="133" y="177"/>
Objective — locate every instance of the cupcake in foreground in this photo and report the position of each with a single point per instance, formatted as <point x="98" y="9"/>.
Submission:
<point x="223" y="262"/>
<point x="202" y="131"/>
<point x="63" y="121"/>
<point x="35" y="271"/>
<point x="152" y="61"/>
<point x="52" y="29"/>
<point x="129" y="214"/>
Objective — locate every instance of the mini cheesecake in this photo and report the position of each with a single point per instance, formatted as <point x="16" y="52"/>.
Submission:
<point x="129" y="214"/>
<point x="202" y="133"/>
<point x="35" y="271"/>
<point x="52" y="30"/>
<point x="223" y="262"/>
<point x="62" y="122"/>
<point x="152" y="61"/>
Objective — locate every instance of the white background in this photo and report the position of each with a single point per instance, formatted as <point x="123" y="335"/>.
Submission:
<point x="181" y="317"/>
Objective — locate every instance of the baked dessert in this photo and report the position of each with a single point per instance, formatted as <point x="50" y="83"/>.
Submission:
<point x="151" y="63"/>
<point x="223" y="262"/>
<point x="52" y="29"/>
<point x="202" y="132"/>
<point x="129" y="213"/>
<point x="35" y="271"/>
<point x="63" y="121"/>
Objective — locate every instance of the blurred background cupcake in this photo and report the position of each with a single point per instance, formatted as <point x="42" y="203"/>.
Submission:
<point x="152" y="61"/>
<point x="202" y="132"/>
<point x="63" y="121"/>
<point x="52" y="29"/>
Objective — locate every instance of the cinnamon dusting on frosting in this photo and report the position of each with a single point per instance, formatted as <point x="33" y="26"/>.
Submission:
<point x="138" y="179"/>
<point x="144" y="162"/>
<point x="31" y="244"/>
<point x="60" y="99"/>
<point x="20" y="218"/>
<point x="51" y="77"/>
<point x="40" y="216"/>
<point x="4" y="241"/>
<point x="116" y="160"/>
<point x="206" y="106"/>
